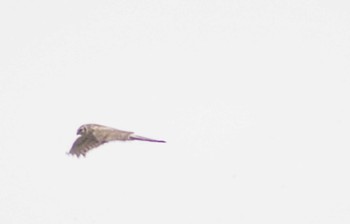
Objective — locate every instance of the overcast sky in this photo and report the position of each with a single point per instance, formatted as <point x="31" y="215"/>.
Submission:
<point x="251" y="96"/>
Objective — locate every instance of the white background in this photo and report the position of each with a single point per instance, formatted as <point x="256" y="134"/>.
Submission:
<point x="251" y="96"/>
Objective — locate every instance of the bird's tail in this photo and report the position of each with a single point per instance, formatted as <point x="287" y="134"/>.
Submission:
<point x="140" y="138"/>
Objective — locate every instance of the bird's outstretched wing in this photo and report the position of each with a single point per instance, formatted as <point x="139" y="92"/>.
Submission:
<point x="83" y="144"/>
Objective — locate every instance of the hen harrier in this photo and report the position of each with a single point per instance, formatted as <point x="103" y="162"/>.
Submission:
<point x="94" y="135"/>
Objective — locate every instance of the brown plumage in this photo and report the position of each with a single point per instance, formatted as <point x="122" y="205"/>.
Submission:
<point x="94" y="135"/>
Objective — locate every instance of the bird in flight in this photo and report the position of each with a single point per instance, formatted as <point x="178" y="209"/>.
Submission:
<point x="94" y="135"/>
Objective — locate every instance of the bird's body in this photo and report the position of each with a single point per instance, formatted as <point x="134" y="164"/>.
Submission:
<point x="94" y="135"/>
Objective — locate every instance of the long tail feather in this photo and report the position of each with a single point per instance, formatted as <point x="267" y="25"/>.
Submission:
<point x="140" y="138"/>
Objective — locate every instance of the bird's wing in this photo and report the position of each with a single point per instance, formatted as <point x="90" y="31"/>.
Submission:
<point x="83" y="144"/>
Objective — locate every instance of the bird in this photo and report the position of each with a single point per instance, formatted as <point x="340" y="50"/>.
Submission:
<point x="94" y="135"/>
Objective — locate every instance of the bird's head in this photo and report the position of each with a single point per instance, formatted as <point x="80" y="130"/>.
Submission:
<point x="82" y="130"/>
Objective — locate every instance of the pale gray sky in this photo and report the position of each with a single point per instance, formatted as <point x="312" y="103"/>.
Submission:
<point x="252" y="97"/>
